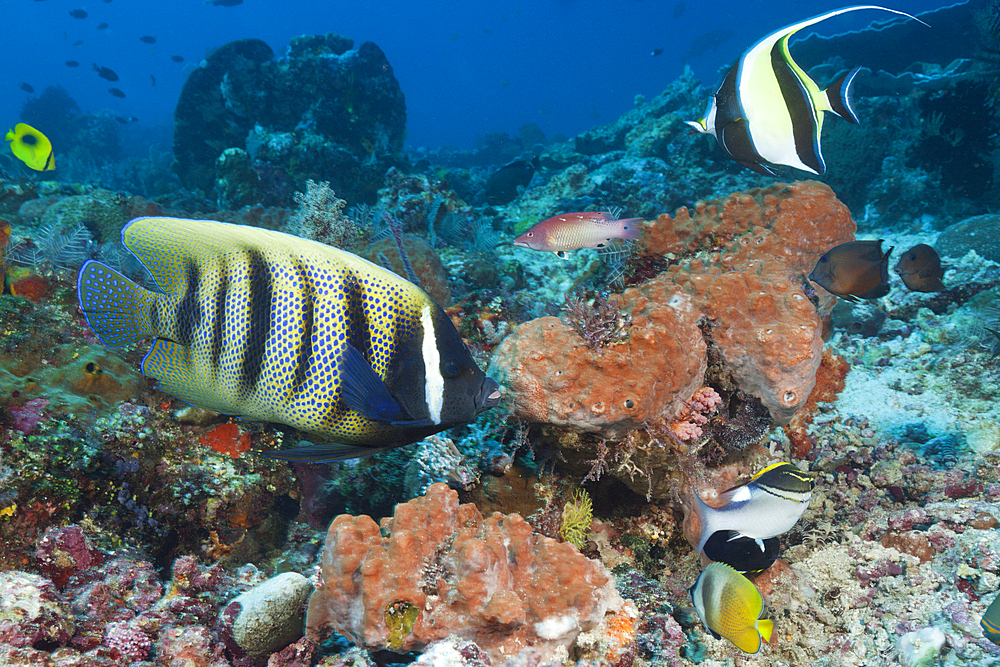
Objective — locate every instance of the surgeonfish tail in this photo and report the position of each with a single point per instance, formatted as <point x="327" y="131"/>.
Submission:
<point x="117" y="310"/>
<point x="704" y="512"/>
<point x="765" y="627"/>
<point x="839" y="96"/>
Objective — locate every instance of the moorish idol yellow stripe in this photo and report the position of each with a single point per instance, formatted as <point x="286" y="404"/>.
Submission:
<point x="272" y="327"/>
<point x="767" y="111"/>
<point x="31" y="147"/>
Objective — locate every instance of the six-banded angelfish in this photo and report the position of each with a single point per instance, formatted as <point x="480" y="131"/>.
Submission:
<point x="272" y="327"/>
<point x="991" y="621"/>
<point x="572" y="231"/>
<point x="766" y="506"/>
<point x="730" y="606"/>
<point x="768" y="111"/>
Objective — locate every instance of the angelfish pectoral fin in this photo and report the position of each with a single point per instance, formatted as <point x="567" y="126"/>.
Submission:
<point x="363" y="391"/>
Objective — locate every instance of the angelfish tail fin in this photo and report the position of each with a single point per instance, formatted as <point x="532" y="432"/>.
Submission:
<point x="838" y="95"/>
<point x="117" y="309"/>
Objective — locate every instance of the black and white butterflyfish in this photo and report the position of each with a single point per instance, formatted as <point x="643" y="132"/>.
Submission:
<point x="271" y="327"/>
<point x="767" y="111"/>
<point x="768" y="505"/>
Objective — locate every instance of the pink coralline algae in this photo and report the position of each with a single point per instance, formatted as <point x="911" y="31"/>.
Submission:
<point x="130" y="642"/>
<point x="62" y="552"/>
<point x="443" y="569"/>
<point x="32" y="611"/>
<point x="28" y="416"/>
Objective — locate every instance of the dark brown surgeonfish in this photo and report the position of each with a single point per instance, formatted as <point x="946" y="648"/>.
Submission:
<point x="854" y="270"/>
<point x="920" y="269"/>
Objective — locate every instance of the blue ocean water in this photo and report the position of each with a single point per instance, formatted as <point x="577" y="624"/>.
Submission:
<point x="466" y="68"/>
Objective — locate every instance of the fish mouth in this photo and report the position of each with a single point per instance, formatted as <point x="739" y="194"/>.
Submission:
<point x="489" y="395"/>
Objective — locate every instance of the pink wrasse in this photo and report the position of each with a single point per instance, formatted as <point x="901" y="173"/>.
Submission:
<point x="572" y="231"/>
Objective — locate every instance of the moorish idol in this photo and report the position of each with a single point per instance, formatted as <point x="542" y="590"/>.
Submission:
<point x="767" y="111"/>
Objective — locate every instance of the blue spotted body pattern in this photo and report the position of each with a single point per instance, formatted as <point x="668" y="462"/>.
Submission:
<point x="273" y="327"/>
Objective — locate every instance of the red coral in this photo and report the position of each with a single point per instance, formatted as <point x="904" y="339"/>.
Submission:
<point x="62" y="552"/>
<point x="28" y="416"/>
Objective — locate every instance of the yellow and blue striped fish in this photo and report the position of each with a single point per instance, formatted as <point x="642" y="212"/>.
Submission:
<point x="991" y="621"/>
<point x="730" y="606"/>
<point x="272" y="327"/>
<point x="766" y="506"/>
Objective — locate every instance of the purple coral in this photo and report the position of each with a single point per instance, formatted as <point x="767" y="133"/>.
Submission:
<point x="63" y="552"/>
<point x="131" y="642"/>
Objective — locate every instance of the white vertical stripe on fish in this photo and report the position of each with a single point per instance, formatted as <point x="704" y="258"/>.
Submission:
<point x="434" y="382"/>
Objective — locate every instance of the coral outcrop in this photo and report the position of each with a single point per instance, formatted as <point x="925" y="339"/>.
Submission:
<point x="742" y="268"/>
<point x="442" y="569"/>
<point x="327" y="111"/>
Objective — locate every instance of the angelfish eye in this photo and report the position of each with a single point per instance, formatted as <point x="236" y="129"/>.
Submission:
<point x="451" y="369"/>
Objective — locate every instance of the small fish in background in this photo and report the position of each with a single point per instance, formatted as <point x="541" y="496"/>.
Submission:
<point x="77" y="42"/>
<point x="767" y="505"/>
<point x="854" y="270"/>
<point x="177" y="59"/>
<point x="709" y="41"/>
<point x="27" y="87"/>
<point x="105" y="72"/>
<point x="102" y="26"/>
<point x="730" y="606"/>
<point x="72" y="63"/>
<point x="31" y="147"/>
<point x="920" y="269"/>
<point x="572" y="231"/>
<point x="148" y="39"/>
<point x="655" y="52"/>
<point x="116" y="92"/>
<point x="743" y="554"/>
<point x="273" y="327"/>
<point x="78" y="13"/>
<point x="991" y="621"/>
<point x="152" y="79"/>
<point x="125" y="121"/>
<point x="224" y="3"/>
<point x="767" y="111"/>
<point x="503" y="186"/>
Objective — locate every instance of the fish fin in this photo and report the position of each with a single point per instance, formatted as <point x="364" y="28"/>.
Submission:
<point x="747" y="639"/>
<point x="705" y="513"/>
<point x="116" y="308"/>
<point x="171" y="364"/>
<point x="736" y="494"/>
<point x="561" y="254"/>
<point x="839" y="96"/>
<point x="735" y="535"/>
<point x="714" y="633"/>
<point x="631" y="228"/>
<point x="325" y="453"/>
<point x="362" y="390"/>
<point x="765" y="627"/>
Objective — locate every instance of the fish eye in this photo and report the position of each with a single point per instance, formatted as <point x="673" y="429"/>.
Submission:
<point x="824" y="258"/>
<point x="912" y="257"/>
<point x="451" y="369"/>
<point x="530" y="235"/>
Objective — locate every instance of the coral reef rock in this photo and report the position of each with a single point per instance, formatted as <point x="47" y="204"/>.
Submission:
<point x="325" y="111"/>
<point x="741" y="266"/>
<point x="437" y="568"/>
